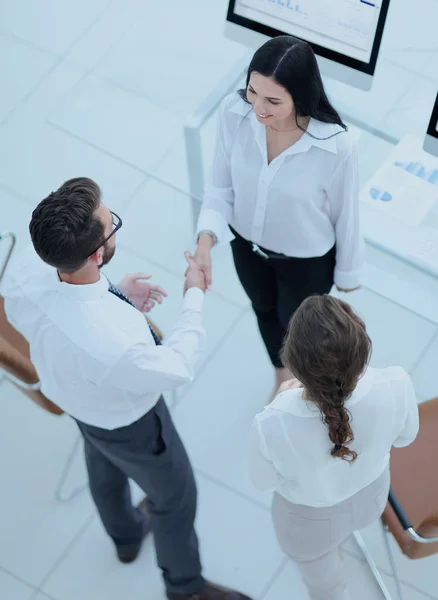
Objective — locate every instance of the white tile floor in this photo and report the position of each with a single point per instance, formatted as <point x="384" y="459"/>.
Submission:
<point x="101" y="88"/>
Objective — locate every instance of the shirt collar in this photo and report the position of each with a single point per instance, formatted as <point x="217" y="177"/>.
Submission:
<point x="81" y="293"/>
<point x="292" y="401"/>
<point x="316" y="129"/>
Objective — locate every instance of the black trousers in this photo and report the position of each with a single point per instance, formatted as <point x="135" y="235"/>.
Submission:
<point x="151" y="453"/>
<point x="277" y="287"/>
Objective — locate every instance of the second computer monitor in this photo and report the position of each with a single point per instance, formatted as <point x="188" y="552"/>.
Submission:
<point x="345" y="34"/>
<point x="431" y="140"/>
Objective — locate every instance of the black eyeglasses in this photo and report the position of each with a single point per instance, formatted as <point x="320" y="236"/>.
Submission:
<point x="117" y="223"/>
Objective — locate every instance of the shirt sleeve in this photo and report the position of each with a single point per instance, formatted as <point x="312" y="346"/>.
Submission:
<point x="218" y="202"/>
<point x="262" y="471"/>
<point x="411" y="422"/>
<point x="343" y="196"/>
<point x="147" y="368"/>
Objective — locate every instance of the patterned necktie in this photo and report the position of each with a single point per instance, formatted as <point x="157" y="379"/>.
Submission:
<point x="115" y="290"/>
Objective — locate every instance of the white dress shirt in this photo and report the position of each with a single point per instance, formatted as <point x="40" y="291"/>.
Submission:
<point x="290" y="447"/>
<point x="93" y="352"/>
<point x="299" y="205"/>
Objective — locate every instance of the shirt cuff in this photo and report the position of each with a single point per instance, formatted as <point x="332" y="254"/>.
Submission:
<point x="347" y="280"/>
<point x="212" y="220"/>
<point x="194" y="299"/>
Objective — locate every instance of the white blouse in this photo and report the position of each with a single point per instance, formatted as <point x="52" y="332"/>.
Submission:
<point x="290" y="447"/>
<point x="300" y="205"/>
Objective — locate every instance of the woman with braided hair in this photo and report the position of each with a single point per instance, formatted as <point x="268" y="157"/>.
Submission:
<point x="324" y="443"/>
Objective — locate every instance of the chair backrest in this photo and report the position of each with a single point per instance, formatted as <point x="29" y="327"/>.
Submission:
<point x="415" y="483"/>
<point x="15" y="360"/>
<point x="14" y="351"/>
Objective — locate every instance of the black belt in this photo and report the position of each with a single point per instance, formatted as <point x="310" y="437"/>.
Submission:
<point x="262" y="252"/>
<point x="267" y="254"/>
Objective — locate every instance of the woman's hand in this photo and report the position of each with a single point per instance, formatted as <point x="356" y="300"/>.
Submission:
<point x="203" y="260"/>
<point x="203" y="256"/>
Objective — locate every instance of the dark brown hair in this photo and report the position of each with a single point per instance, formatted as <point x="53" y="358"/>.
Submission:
<point x="64" y="227"/>
<point x="327" y="348"/>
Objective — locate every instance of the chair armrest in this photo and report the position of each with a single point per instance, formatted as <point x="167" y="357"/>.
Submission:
<point x="399" y="512"/>
<point x="13" y="238"/>
<point x="18" y="366"/>
<point x="405" y="522"/>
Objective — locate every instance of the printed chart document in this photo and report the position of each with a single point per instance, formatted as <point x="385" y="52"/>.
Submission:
<point x="400" y="194"/>
<point x="400" y="205"/>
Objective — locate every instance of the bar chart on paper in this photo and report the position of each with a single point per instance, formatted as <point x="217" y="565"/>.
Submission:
<point x="400" y="195"/>
<point x="419" y="170"/>
<point x="400" y="205"/>
<point x="351" y="22"/>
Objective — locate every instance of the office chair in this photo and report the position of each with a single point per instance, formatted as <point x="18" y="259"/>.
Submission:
<point x="411" y="515"/>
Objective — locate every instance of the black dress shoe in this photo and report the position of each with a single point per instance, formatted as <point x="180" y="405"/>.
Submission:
<point x="129" y="554"/>
<point x="210" y="592"/>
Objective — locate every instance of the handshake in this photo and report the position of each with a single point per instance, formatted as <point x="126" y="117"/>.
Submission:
<point x="198" y="273"/>
<point x="195" y="274"/>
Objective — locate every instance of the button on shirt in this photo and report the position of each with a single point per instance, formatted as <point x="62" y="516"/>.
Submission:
<point x="299" y="205"/>
<point x="290" y="447"/>
<point x="95" y="354"/>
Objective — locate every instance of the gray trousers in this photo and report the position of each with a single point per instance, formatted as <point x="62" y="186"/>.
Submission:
<point x="151" y="453"/>
<point x="312" y="536"/>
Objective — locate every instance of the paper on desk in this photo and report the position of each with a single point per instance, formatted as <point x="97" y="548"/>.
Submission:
<point x="424" y="245"/>
<point x="400" y="194"/>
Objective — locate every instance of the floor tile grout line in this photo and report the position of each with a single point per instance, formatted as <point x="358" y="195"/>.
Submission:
<point x="14" y="192"/>
<point x="412" y="72"/>
<point x="29" y="200"/>
<point x="395" y="303"/>
<point x="18" y="578"/>
<point x="359" y="558"/>
<point x="27" y="43"/>
<point x="115" y="42"/>
<point x="424" y="352"/>
<point x="37" y="593"/>
<point x="208" y="360"/>
<point x="410" y="49"/>
<point x="139" y="95"/>
<point x="23" y="101"/>
<point x="230" y="489"/>
<point x="82" y="529"/>
<point x="123" y="161"/>
<point x="132" y="195"/>
<point x="59" y="61"/>
<point x="404" y="93"/>
<point x="149" y="174"/>
<point x="274" y="578"/>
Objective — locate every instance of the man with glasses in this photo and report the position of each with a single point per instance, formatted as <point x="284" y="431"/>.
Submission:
<point x="98" y="359"/>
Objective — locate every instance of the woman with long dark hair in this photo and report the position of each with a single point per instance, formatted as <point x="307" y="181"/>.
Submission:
<point x="324" y="442"/>
<point x="284" y="190"/>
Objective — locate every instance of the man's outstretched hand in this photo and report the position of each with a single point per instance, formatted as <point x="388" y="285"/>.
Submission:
<point x="194" y="276"/>
<point x="143" y="295"/>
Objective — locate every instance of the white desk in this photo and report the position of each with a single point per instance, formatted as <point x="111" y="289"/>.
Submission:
<point x="399" y="206"/>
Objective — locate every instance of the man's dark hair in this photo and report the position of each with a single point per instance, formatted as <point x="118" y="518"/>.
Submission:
<point x="64" y="227"/>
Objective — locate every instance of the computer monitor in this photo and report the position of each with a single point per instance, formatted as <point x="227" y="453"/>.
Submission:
<point x="344" y="34"/>
<point x="431" y="139"/>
